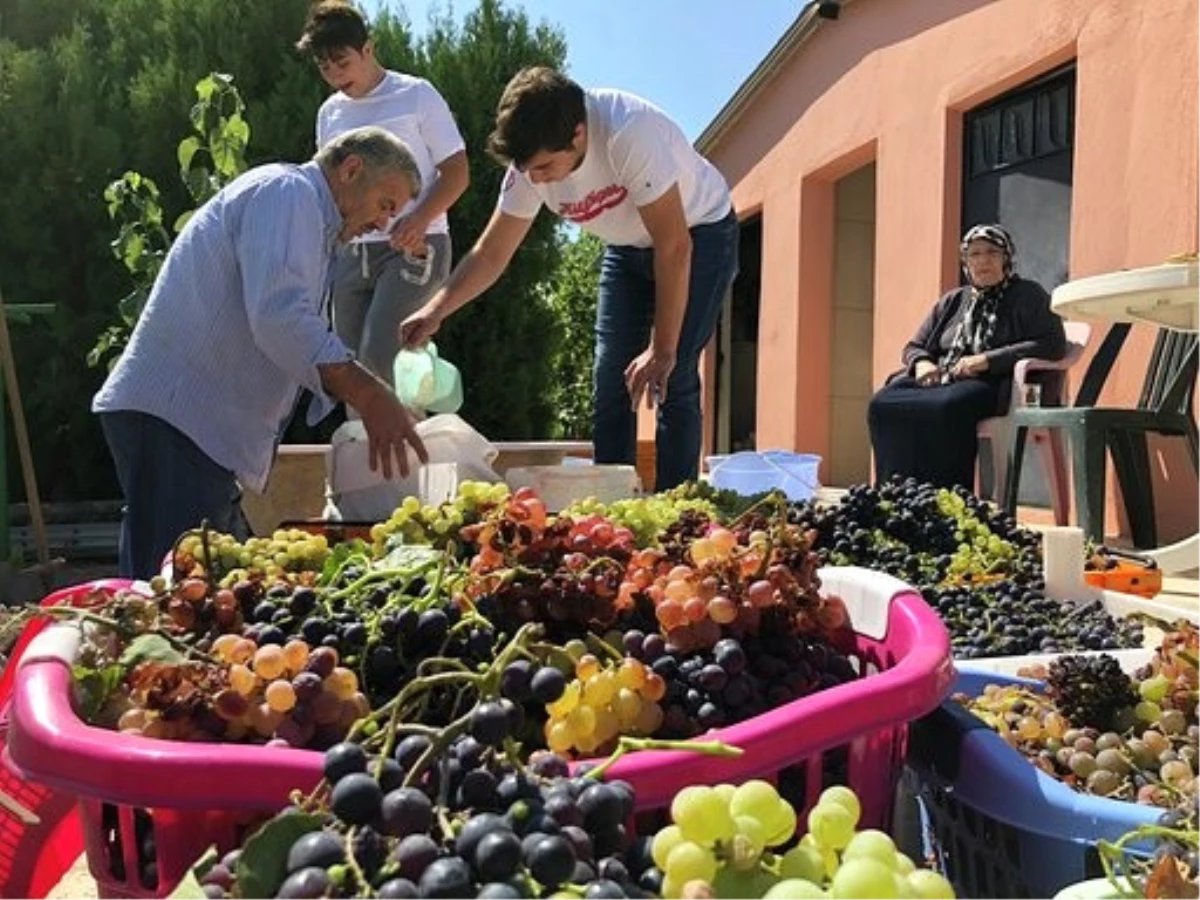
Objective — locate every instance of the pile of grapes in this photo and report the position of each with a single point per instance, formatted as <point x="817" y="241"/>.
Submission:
<point x="439" y="816"/>
<point x="970" y="561"/>
<point x="728" y="841"/>
<point x="438" y="525"/>
<point x="649" y="518"/>
<point x="288" y="554"/>
<point x="1105" y="733"/>
<point x="590" y="636"/>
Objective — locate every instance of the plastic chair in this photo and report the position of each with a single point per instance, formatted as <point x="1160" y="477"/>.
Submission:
<point x="998" y="430"/>
<point x="1165" y="407"/>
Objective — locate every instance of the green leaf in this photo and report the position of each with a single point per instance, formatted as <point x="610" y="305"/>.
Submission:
<point x="196" y="180"/>
<point x="132" y="251"/>
<point x="149" y="648"/>
<point x="225" y="151"/>
<point x="187" y="149"/>
<point x="341" y="552"/>
<point x="237" y="129"/>
<point x="183" y="219"/>
<point x="93" y="687"/>
<point x="189" y="888"/>
<point x="411" y="556"/>
<point x="205" y="88"/>
<point x="262" y="865"/>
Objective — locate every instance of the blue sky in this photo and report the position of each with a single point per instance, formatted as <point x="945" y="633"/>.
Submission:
<point x="687" y="56"/>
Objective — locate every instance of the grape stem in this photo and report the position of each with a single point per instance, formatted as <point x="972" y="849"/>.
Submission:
<point x="381" y="575"/>
<point x="364" y="883"/>
<point x="1113" y="854"/>
<point x="83" y="615"/>
<point x="771" y="498"/>
<point x="626" y="744"/>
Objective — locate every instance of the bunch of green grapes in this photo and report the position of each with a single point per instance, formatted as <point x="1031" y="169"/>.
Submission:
<point x="728" y="841"/>
<point x="728" y="504"/>
<point x="416" y="523"/>
<point x="647" y="517"/>
<point x="980" y="550"/>
<point x="224" y="559"/>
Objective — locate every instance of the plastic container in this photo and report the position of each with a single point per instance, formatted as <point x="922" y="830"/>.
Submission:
<point x="450" y="439"/>
<point x="999" y="826"/>
<point x="1130" y="660"/>
<point x="156" y="802"/>
<point x="1092" y="889"/>
<point x="457" y="453"/>
<point x="853" y="734"/>
<point x="35" y="856"/>
<point x="560" y="486"/>
<point x="426" y="381"/>
<point x="796" y="474"/>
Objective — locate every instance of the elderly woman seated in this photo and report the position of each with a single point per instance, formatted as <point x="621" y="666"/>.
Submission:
<point x="958" y="366"/>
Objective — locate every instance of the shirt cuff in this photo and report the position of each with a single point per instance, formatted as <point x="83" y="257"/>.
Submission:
<point x="332" y="352"/>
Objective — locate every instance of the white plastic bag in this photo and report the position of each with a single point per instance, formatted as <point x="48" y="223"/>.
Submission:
<point x="354" y="493"/>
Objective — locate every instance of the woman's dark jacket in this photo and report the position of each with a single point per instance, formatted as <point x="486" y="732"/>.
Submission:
<point x="1025" y="328"/>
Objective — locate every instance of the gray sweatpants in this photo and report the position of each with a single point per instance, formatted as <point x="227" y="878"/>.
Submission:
<point x="375" y="288"/>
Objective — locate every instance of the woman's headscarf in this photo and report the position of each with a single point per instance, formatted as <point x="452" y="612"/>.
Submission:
<point x="977" y="327"/>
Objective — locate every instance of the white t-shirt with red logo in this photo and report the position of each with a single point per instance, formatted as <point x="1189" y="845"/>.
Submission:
<point x="635" y="152"/>
<point x="410" y="108"/>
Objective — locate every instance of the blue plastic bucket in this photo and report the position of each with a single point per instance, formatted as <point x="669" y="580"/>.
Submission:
<point x="753" y="473"/>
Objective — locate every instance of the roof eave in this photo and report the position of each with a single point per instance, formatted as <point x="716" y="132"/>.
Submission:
<point x="805" y="25"/>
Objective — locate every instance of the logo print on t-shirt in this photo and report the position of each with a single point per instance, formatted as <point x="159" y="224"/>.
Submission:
<point x="509" y="180"/>
<point x="593" y="204"/>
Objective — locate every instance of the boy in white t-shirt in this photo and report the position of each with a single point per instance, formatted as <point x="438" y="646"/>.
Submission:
<point x="619" y="167"/>
<point x="385" y="275"/>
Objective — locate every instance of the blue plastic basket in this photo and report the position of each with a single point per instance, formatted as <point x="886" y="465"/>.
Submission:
<point x="997" y="826"/>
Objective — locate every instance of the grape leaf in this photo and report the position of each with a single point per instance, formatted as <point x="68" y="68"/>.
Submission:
<point x="333" y="563"/>
<point x="93" y="687"/>
<point x="411" y="556"/>
<point x="262" y="865"/>
<point x="149" y="648"/>
<point x="189" y="887"/>
<point x="1167" y="881"/>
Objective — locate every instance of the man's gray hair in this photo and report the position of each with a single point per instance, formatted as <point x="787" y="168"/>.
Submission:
<point x="380" y="151"/>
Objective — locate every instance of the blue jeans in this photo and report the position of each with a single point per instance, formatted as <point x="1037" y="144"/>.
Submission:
<point x="170" y="485"/>
<point x="624" y="319"/>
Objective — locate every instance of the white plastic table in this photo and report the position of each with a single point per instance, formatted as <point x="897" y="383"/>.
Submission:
<point x="1167" y="296"/>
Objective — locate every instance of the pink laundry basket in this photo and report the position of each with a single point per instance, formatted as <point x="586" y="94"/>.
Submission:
<point x="151" y="807"/>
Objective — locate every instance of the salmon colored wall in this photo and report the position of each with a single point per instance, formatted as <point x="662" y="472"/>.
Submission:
<point x="890" y="81"/>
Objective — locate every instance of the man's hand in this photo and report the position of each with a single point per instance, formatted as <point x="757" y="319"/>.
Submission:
<point x="925" y="372"/>
<point x="390" y="426"/>
<point x="408" y="235"/>
<point x="969" y="366"/>
<point x="648" y="374"/>
<point x="419" y="327"/>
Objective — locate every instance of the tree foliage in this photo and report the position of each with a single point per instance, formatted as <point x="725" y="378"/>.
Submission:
<point x="500" y="341"/>
<point x="571" y="295"/>
<point x="90" y="90"/>
<point x="209" y="158"/>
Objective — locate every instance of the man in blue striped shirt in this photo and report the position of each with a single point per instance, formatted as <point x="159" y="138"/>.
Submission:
<point x="234" y="328"/>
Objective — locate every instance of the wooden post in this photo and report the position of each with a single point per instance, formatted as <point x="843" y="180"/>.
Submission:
<point x="21" y="434"/>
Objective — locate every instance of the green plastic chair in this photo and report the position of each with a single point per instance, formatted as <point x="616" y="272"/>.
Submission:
<point x="1165" y="407"/>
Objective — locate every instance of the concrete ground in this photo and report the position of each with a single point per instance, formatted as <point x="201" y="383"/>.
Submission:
<point x="77" y="883"/>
